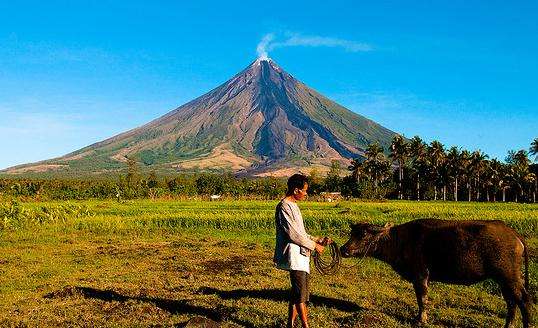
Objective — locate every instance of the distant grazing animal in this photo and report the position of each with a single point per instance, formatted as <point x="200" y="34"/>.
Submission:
<point x="453" y="252"/>
<point x="214" y="197"/>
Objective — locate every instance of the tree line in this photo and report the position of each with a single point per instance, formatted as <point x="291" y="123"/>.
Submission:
<point x="138" y="186"/>
<point x="410" y="169"/>
<point x="417" y="170"/>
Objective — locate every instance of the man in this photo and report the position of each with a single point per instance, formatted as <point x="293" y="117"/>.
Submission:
<point x="294" y="246"/>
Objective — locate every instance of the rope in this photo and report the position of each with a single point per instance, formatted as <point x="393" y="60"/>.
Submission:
<point x="325" y="267"/>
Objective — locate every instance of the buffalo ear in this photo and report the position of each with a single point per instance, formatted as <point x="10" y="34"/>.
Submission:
<point x="355" y="226"/>
<point x="359" y="227"/>
<point x="375" y="228"/>
<point x="378" y="229"/>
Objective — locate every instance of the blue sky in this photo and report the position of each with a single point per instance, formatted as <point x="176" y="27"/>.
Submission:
<point x="76" y="72"/>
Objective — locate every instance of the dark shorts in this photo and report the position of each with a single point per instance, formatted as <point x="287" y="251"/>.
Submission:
<point x="300" y="287"/>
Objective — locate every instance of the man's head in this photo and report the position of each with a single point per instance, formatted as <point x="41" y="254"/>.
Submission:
<point x="297" y="186"/>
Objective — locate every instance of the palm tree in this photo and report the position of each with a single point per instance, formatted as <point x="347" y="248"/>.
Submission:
<point x="534" y="151"/>
<point x="530" y="178"/>
<point x="534" y="170"/>
<point x="357" y="169"/>
<point x="417" y="149"/>
<point x="399" y="151"/>
<point x="376" y="163"/>
<point x="465" y="162"/>
<point x="506" y="180"/>
<point x="373" y="150"/>
<point x="436" y="158"/>
<point x="534" y="148"/>
<point x="493" y="177"/>
<point x="519" y="163"/>
<point x="477" y="168"/>
<point x="444" y="176"/>
<point x="454" y="168"/>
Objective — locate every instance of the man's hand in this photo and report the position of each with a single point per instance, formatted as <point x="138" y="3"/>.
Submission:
<point x="319" y="248"/>
<point x="324" y="241"/>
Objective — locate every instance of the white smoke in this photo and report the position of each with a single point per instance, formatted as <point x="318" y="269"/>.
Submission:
<point x="261" y="49"/>
<point x="269" y="43"/>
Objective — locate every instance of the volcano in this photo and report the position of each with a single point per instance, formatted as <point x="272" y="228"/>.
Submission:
<point x="262" y="121"/>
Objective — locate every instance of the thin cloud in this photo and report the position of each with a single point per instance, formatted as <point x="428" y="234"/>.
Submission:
<point x="269" y="42"/>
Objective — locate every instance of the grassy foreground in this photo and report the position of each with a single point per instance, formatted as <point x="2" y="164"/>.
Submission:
<point x="160" y="263"/>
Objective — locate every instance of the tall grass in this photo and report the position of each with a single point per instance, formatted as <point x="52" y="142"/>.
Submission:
<point x="146" y="215"/>
<point x="15" y="216"/>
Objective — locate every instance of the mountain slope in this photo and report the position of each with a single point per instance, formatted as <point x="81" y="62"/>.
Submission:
<point x="260" y="121"/>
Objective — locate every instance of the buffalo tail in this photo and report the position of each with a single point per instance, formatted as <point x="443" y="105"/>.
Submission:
<point x="526" y="255"/>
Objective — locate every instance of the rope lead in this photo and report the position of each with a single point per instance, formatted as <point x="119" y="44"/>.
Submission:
<point x="323" y="266"/>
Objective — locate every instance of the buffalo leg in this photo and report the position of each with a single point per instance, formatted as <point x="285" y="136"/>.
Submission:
<point x="510" y="306"/>
<point x="520" y="297"/>
<point x="421" y="291"/>
<point x="524" y="302"/>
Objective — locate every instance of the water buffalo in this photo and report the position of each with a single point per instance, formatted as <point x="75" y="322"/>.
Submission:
<point x="454" y="252"/>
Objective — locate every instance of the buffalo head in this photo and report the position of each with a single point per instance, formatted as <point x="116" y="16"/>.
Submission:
<point x="363" y="239"/>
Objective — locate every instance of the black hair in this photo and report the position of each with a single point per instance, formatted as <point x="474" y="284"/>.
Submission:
<point x="296" y="181"/>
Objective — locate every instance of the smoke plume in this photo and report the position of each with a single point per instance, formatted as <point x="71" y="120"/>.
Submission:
<point x="261" y="49"/>
<point x="269" y="42"/>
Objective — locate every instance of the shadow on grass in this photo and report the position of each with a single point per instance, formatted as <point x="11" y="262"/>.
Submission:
<point x="221" y="313"/>
<point x="281" y="295"/>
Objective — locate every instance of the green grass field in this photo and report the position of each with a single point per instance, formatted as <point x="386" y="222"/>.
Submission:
<point x="160" y="263"/>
